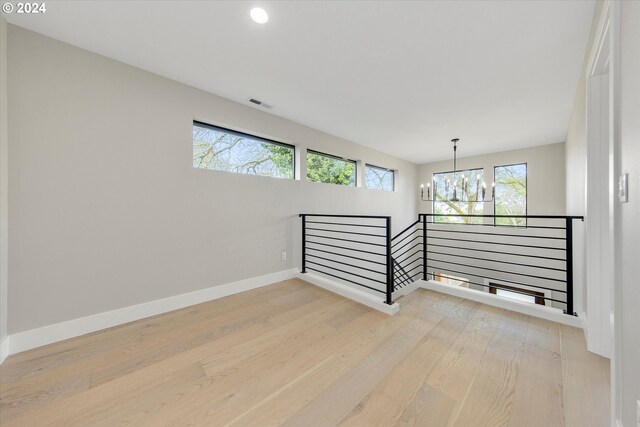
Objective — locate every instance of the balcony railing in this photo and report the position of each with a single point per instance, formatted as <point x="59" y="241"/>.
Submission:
<point x="530" y="259"/>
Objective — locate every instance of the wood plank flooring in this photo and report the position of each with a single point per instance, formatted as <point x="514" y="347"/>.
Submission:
<point x="294" y="354"/>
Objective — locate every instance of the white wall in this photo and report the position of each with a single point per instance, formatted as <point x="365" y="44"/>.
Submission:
<point x="576" y="155"/>
<point x="4" y="188"/>
<point x="626" y="66"/>
<point x="106" y="210"/>
<point x="628" y="316"/>
<point x="545" y="175"/>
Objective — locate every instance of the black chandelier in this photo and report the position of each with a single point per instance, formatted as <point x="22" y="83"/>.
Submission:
<point x="459" y="185"/>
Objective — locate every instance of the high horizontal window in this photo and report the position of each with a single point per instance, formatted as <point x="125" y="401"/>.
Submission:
<point x="330" y="169"/>
<point x="230" y="151"/>
<point x="467" y="186"/>
<point x="379" y="178"/>
<point x="511" y="193"/>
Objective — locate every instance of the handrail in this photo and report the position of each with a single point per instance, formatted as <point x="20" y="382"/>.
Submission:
<point x="347" y="216"/>
<point x="507" y="216"/>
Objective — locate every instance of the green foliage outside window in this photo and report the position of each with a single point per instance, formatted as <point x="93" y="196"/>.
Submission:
<point x="511" y="193"/>
<point x="228" y="151"/>
<point x="330" y="170"/>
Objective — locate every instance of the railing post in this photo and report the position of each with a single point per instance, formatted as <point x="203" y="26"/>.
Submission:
<point x="424" y="247"/>
<point x="569" y="261"/>
<point x="304" y="243"/>
<point x="389" y="299"/>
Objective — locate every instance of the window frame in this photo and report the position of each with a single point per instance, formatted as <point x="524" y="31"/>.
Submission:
<point x="433" y="202"/>
<point x="251" y="136"/>
<point x="332" y="156"/>
<point x="393" y="177"/>
<point x="526" y="195"/>
<point x="539" y="297"/>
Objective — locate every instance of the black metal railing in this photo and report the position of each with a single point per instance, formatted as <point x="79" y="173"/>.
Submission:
<point x="531" y="258"/>
<point x="531" y="261"/>
<point x="352" y="248"/>
<point x="406" y="253"/>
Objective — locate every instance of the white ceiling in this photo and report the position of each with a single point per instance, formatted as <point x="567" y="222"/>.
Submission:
<point x="400" y="77"/>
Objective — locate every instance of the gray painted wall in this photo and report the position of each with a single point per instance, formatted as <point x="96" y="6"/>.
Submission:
<point x="106" y="209"/>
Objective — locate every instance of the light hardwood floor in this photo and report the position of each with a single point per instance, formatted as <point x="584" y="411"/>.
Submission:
<point x="293" y="354"/>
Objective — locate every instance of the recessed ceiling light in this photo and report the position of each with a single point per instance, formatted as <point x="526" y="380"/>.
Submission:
<point x="259" y="15"/>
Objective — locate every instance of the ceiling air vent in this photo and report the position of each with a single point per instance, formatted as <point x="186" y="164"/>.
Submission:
<point x="260" y="103"/>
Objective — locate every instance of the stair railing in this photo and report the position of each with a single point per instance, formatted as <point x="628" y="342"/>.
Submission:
<point x="352" y="248"/>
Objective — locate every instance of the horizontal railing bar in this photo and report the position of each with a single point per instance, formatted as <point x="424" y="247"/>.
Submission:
<point x="347" y="272"/>
<point x="500" y="261"/>
<point x="348" y="265"/>
<point x="346" y="256"/>
<point x="348" y="216"/>
<point x="496" y="234"/>
<point x="498" y="252"/>
<point x="400" y="233"/>
<point x="347" y="232"/>
<point x="503" y="280"/>
<point x="505" y="216"/>
<point x="346" y="280"/>
<point x="349" y="249"/>
<point x="510" y="290"/>
<point x="405" y="237"/>
<point x="406" y="244"/>
<point x="500" y="271"/>
<point x="498" y="243"/>
<point x="482" y="224"/>
<point x="411" y="248"/>
<point x="413" y="254"/>
<point x="347" y="240"/>
<point x="346" y="224"/>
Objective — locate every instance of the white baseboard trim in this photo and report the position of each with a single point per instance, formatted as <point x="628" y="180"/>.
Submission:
<point x="363" y="297"/>
<point x="547" y="313"/>
<point x="4" y="349"/>
<point x="38" y="337"/>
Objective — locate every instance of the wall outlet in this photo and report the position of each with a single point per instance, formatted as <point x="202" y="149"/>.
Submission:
<point x="284" y="255"/>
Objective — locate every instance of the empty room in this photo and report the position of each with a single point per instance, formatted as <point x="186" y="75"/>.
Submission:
<point x="320" y="213"/>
